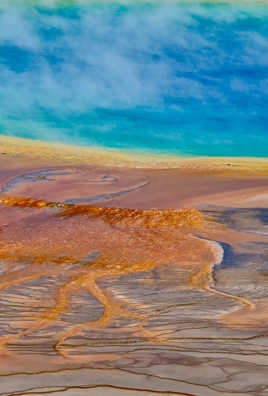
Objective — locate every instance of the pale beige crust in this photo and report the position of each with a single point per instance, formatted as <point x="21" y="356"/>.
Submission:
<point x="61" y="153"/>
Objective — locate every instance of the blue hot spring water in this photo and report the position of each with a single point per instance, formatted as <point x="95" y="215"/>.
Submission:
<point x="187" y="78"/>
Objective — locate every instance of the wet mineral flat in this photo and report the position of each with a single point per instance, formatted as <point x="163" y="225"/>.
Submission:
<point x="119" y="281"/>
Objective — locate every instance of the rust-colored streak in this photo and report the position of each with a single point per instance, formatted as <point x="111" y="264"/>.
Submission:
<point x="145" y="239"/>
<point x="203" y="279"/>
<point x="153" y="218"/>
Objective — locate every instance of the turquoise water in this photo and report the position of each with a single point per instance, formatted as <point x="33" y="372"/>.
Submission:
<point x="185" y="78"/>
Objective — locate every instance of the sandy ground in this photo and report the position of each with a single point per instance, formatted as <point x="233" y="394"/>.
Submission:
<point x="170" y="182"/>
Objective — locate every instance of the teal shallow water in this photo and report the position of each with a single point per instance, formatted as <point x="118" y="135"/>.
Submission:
<point x="177" y="78"/>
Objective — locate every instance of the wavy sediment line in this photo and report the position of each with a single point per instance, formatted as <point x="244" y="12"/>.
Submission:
<point x="108" y="196"/>
<point x="40" y="391"/>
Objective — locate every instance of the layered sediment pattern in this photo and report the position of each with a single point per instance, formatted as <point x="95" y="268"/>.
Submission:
<point x="101" y="298"/>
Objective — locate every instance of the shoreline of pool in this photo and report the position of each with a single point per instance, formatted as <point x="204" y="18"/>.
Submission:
<point x="65" y="153"/>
